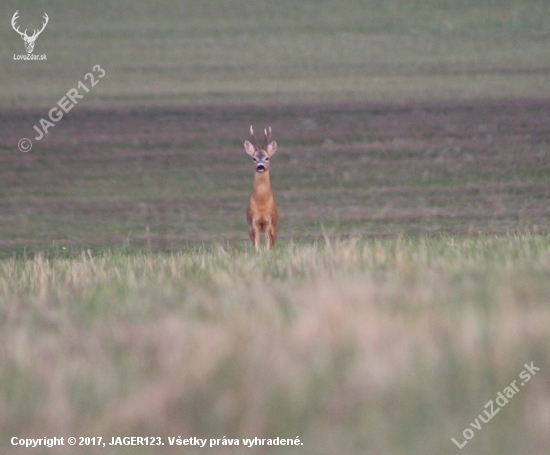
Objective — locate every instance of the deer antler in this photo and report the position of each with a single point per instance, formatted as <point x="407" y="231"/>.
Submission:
<point x="267" y="135"/>
<point x="254" y="141"/>
<point x="24" y="34"/>
<point x="36" y="32"/>
<point x="16" y="28"/>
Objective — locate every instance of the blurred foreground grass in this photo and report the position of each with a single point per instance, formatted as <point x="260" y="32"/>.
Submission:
<point x="357" y="346"/>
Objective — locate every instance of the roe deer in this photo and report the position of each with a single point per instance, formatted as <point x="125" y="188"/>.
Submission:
<point x="261" y="214"/>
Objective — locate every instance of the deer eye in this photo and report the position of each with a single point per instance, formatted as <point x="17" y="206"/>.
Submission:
<point x="255" y="159"/>
<point x="267" y="158"/>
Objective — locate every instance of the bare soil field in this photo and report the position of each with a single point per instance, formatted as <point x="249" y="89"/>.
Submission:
<point x="168" y="177"/>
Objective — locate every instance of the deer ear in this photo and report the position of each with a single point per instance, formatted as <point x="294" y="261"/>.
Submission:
<point x="271" y="148"/>
<point x="249" y="148"/>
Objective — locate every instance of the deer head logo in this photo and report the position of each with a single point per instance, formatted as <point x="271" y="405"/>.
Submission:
<point x="29" y="40"/>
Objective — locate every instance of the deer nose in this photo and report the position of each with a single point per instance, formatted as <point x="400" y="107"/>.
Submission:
<point x="260" y="167"/>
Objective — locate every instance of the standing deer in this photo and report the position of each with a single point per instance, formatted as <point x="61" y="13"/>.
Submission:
<point x="261" y="214"/>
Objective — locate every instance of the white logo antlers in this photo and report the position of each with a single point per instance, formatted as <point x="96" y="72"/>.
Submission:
<point x="29" y="40"/>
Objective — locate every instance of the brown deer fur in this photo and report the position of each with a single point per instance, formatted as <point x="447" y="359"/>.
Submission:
<point x="261" y="214"/>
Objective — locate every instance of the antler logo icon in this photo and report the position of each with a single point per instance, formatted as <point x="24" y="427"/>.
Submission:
<point x="29" y="40"/>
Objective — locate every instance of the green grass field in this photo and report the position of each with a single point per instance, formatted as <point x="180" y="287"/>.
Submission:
<point x="379" y="346"/>
<point x="237" y="51"/>
<point x="410" y="283"/>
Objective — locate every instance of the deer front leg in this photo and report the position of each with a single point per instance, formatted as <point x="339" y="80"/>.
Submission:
<point x="270" y="235"/>
<point x="254" y="232"/>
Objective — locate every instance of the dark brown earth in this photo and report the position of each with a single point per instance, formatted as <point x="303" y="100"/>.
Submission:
<point x="171" y="177"/>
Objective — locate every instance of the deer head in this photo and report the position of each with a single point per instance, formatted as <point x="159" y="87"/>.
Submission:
<point x="261" y="155"/>
<point x="29" y="40"/>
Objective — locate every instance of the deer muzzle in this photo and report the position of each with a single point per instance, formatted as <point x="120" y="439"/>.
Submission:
<point x="260" y="167"/>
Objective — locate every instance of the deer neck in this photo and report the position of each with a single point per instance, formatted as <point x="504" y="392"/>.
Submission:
<point x="261" y="183"/>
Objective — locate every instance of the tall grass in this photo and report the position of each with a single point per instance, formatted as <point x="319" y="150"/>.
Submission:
<point x="357" y="346"/>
